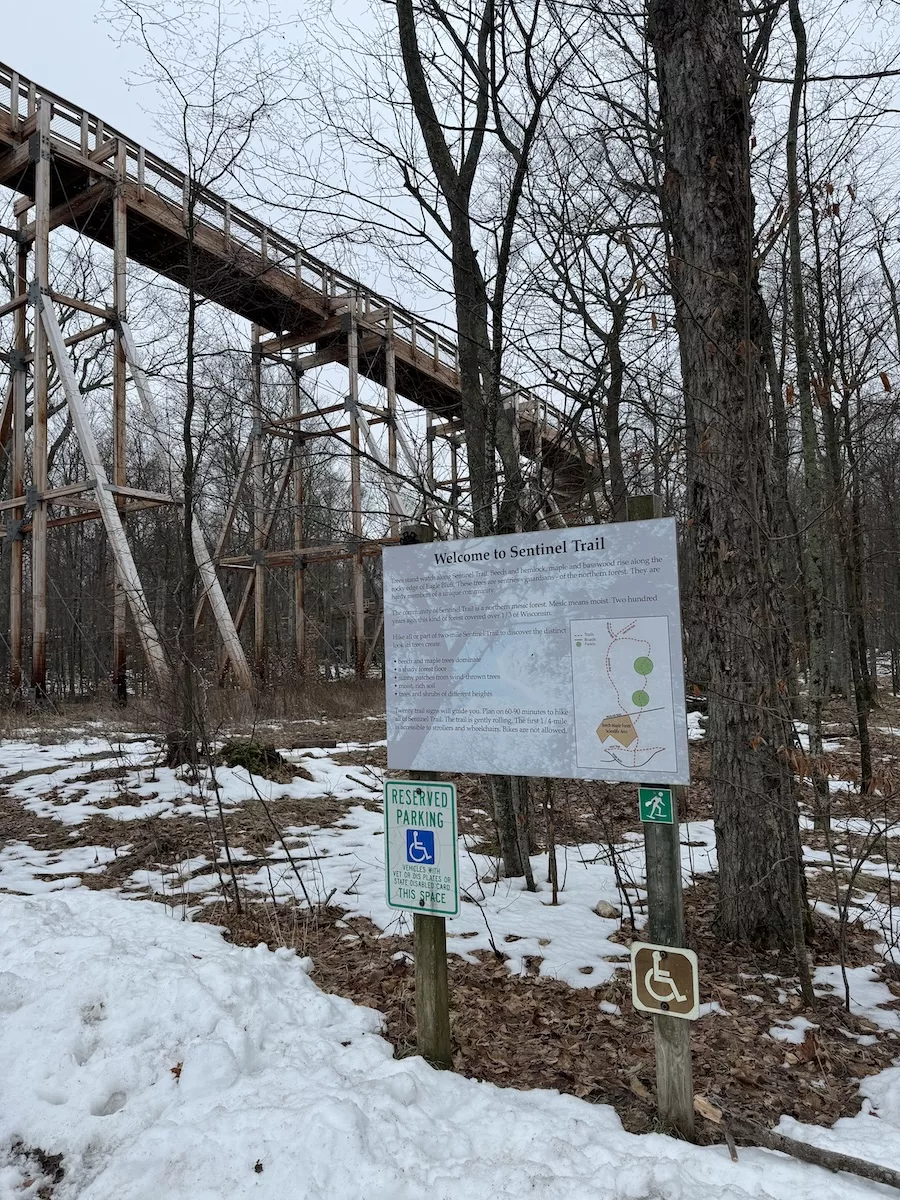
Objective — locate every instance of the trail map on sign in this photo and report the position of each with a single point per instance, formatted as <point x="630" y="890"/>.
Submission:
<point x="622" y="693"/>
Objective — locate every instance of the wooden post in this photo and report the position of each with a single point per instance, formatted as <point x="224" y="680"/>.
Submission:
<point x="359" y="612"/>
<point x="258" y="469"/>
<point x="40" y="288"/>
<point x="120" y="261"/>
<point x="430" y="947"/>
<point x="299" y="567"/>
<point x="19" y="389"/>
<point x="665" y="905"/>
<point x="432" y="987"/>
<point x="390" y="379"/>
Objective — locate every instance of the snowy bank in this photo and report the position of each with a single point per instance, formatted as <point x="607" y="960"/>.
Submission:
<point x="164" y="1064"/>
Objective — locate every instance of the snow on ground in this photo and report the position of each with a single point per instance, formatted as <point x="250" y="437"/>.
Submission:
<point x="829" y="746"/>
<point x="346" y="861"/>
<point x="26" y="869"/>
<point x="696" y="730"/>
<point x="164" y="1064"/>
<point x="65" y="782"/>
<point x="343" y="861"/>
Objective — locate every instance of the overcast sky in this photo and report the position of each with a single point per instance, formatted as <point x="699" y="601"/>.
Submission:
<point x="62" y="45"/>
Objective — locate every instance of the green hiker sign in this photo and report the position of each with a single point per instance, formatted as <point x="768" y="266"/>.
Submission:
<point x="656" y="805"/>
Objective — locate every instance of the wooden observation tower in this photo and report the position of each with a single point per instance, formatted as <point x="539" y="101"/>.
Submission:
<point x="68" y="168"/>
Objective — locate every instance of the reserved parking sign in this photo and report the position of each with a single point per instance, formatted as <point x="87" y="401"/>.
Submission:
<point x="420" y="846"/>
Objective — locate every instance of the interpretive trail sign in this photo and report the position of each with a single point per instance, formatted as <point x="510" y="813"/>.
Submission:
<point x="555" y="653"/>
<point x="420" y="846"/>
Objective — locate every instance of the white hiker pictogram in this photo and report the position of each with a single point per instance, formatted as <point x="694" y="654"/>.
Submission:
<point x="657" y="805"/>
<point x="658" y="975"/>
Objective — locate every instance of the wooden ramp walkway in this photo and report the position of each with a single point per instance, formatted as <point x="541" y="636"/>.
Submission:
<point x="248" y="267"/>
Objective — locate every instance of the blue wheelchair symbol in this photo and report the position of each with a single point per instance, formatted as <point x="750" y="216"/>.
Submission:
<point x="420" y="846"/>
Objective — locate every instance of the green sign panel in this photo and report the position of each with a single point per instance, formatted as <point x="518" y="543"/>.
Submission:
<point x="656" y="805"/>
<point x="422" y="873"/>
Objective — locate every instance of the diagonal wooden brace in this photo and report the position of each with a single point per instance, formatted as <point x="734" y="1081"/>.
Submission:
<point x="128" y="575"/>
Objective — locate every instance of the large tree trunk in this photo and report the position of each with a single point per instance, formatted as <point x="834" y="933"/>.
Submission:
<point x="708" y="211"/>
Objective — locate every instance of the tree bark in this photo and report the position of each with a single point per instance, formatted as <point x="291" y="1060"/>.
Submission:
<point x="708" y="213"/>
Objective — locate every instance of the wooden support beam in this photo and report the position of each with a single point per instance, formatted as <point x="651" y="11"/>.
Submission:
<point x="83" y="334"/>
<point x="40" y="292"/>
<point x="358" y="578"/>
<point x="13" y="163"/>
<point x="18" y="302"/>
<point x="73" y="210"/>
<point x="119" y="676"/>
<point x="259" y="559"/>
<point x="332" y="552"/>
<point x="395" y="501"/>
<point x="373" y="640"/>
<point x="18" y="390"/>
<point x="134" y="592"/>
<point x="51" y="495"/>
<point x="141" y="494"/>
<point x="92" y="514"/>
<point x="106" y="314"/>
<point x="230" y="513"/>
<point x="106" y="151"/>
<point x="212" y="589"/>
<point x="290" y="341"/>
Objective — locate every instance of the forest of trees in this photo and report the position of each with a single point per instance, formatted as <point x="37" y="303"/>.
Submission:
<point x="684" y="220"/>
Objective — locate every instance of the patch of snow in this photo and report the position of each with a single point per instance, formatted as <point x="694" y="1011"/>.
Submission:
<point x="793" y="1031"/>
<point x="30" y="871"/>
<point x="163" y="1062"/>
<point x="695" y="730"/>
<point x="59" y="782"/>
<point x="867" y="993"/>
<point x="802" y="731"/>
<point x="711" y="1009"/>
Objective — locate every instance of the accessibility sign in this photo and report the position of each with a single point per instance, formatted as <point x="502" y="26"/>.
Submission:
<point x="665" y="980"/>
<point x="420" y="846"/>
<point x="655" y="805"/>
